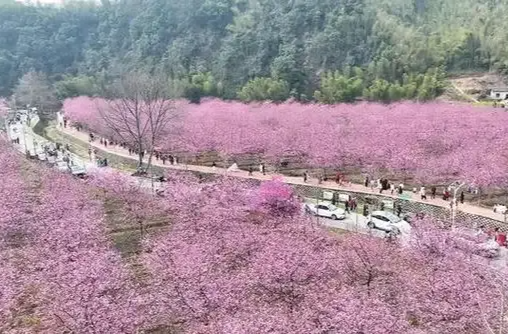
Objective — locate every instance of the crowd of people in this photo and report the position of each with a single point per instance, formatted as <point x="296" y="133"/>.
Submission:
<point x="447" y="194"/>
<point x="382" y="184"/>
<point x="158" y="155"/>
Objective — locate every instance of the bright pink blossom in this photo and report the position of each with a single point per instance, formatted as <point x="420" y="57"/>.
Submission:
<point x="434" y="142"/>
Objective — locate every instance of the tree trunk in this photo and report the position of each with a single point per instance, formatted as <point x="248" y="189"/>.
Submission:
<point x="149" y="162"/>
<point x="141" y="152"/>
<point x="140" y="159"/>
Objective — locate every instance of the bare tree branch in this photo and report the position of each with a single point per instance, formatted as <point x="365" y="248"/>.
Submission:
<point x="140" y="113"/>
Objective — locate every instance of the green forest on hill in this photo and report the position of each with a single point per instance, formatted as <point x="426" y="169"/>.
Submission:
<point x="328" y="50"/>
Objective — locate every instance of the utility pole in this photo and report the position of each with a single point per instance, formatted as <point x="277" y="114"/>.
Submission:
<point x="506" y="208"/>
<point x="456" y="187"/>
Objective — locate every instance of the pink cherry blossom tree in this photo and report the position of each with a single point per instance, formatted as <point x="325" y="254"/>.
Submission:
<point x="227" y="268"/>
<point x="137" y="203"/>
<point x="277" y="199"/>
<point x="226" y="265"/>
<point x="432" y="142"/>
<point x="58" y="270"/>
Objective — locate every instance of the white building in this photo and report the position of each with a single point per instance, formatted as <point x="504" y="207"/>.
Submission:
<point x="500" y="93"/>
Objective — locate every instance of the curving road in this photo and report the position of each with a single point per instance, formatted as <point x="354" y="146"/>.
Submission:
<point x="119" y="151"/>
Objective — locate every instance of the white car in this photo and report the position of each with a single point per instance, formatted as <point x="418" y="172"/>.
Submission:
<point x="498" y="208"/>
<point x="62" y="166"/>
<point x="386" y="221"/>
<point x="32" y="154"/>
<point x="51" y="159"/>
<point x="77" y="170"/>
<point x="325" y="210"/>
<point x="42" y="156"/>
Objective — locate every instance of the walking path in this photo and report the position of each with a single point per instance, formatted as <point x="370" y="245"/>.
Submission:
<point x="119" y="151"/>
<point x="461" y="92"/>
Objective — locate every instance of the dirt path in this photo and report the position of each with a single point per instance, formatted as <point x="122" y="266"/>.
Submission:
<point x="462" y="93"/>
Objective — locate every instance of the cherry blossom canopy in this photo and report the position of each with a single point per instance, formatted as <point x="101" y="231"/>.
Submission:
<point x="433" y="141"/>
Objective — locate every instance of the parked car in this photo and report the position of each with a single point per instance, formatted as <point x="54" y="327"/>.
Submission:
<point x="42" y="156"/>
<point x="31" y="154"/>
<point x="51" y="159"/>
<point x="78" y="171"/>
<point x="386" y="221"/>
<point x="498" y="208"/>
<point x="325" y="210"/>
<point x="62" y="166"/>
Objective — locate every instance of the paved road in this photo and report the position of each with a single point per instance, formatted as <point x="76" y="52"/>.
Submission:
<point x="28" y="140"/>
<point x="466" y="207"/>
<point x="354" y="223"/>
<point x="18" y="130"/>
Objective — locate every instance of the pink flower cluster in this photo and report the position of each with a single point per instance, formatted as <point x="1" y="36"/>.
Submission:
<point x="57" y="269"/>
<point x="433" y="142"/>
<point x="227" y="269"/>
<point x="276" y="198"/>
<point x="222" y="266"/>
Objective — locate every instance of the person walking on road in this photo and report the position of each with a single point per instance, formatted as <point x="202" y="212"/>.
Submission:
<point x="392" y="188"/>
<point x="433" y="191"/>
<point x="423" y="195"/>
<point x="500" y="237"/>
<point x="346" y="205"/>
<point x="462" y="197"/>
<point x="401" y="188"/>
<point x="352" y="204"/>
<point x="305" y="176"/>
<point x="262" y="168"/>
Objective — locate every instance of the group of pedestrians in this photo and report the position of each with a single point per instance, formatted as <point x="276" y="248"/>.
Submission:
<point x="158" y="155"/>
<point x="383" y="184"/>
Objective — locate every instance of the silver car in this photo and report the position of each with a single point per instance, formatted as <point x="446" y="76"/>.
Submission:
<point x="77" y="170"/>
<point x="62" y="166"/>
<point x="385" y="221"/>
